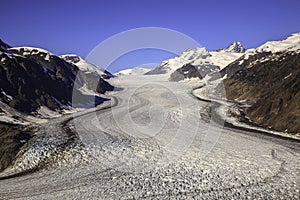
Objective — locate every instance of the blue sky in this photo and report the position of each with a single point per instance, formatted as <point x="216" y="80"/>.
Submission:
<point x="67" y="26"/>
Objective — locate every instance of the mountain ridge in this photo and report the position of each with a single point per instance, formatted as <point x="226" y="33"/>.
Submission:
<point x="30" y="78"/>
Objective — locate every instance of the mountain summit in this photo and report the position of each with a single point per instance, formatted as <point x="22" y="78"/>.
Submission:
<point x="235" y="47"/>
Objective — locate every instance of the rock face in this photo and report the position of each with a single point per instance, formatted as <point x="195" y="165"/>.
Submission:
<point x="268" y="78"/>
<point x="235" y="47"/>
<point x="270" y="82"/>
<point x="33" y="77"/>
<point x="12" y="138"/>
<point x="243" y="62"/>
<point x="190" y="71"/>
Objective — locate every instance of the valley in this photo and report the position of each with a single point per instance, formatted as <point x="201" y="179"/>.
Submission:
<point x="127" y="151"/>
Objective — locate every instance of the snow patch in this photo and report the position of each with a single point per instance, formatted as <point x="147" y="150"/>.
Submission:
<point x="83" y="65"/>
<point x="8" y="96"/>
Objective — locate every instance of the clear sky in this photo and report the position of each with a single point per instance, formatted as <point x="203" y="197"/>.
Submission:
<point x="75" y="26"/>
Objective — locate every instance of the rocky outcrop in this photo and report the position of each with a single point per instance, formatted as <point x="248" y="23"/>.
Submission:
<point x="190" y="71"/>
<point x="235" y="47"/>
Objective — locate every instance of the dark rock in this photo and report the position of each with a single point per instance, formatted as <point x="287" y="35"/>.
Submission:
<point x="272" y="87"/>
<point x="191" y="71"/>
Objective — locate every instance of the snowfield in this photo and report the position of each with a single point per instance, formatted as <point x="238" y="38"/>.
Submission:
<point x="154" y="140"/>
<point x="133" y="71"/>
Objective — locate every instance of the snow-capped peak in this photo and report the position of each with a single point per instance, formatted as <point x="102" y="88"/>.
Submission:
<point x="85" y="66"/>
<point x="72" y="58"/>
<point x="195" y="56"/>
<point x="30" y="50"/>
<point x="235" y="47"/>
<point x="291" y="43"/>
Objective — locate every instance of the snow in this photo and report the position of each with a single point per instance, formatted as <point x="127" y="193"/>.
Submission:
<point x="222" y="59"/>
<point x="82" y="64"/>
<point x="197" y="56"/>
<point x="31" y="50"/>
<point x="8" y="96"/>
<point x="291" y="43"/>
<point x="288" y="76"/>
<point x="47" y="57"/>
<point x="200" y="57"/>
<point x="133" y="71"/>
<point x="235" y="47"/>
<point x="45" y="112"/>
<point x="84" y="90"/>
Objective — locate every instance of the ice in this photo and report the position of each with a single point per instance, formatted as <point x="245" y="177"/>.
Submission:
<point x="116" y="158"/>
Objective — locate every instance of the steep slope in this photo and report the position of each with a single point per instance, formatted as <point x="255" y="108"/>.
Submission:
<point x="291" y="43"/>
<point x="87" y="74"/>
<point x="189" y="71"/>
<point x="92" y="75"/>
<point x="33" y="80"/>
<point x="272" y="87"/>
<point x="267" y="78"/>
<point x="235" y="47"/>
<point x="86" y="67"/>
<point x="3" y="46"/>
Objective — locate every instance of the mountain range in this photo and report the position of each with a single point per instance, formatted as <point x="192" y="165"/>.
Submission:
<point x="266" y="79"/>
<point x="263" y="82"/>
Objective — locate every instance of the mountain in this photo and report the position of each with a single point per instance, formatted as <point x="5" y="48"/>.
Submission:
<point x="198" y="59"/>
<point x="195" y="56"/>
<point x="268" y="79"/>
<point x="85" y="66"/>
<point x="189" y="71"/>
<point x="34" y="80"/>
<point x="235" y="47"/>
<point x="133" y="71"/>
<point x="265" y="78"/>
<point x="291" y="43"/>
